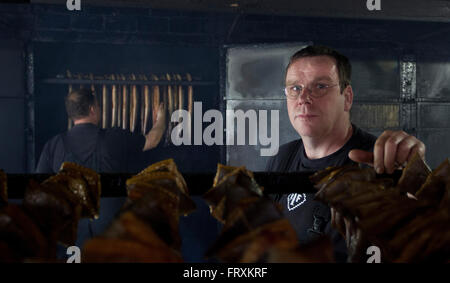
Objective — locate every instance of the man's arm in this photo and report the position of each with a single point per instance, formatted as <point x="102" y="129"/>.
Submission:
<point x="392" y="149"/>
<point x="153" y="137"/>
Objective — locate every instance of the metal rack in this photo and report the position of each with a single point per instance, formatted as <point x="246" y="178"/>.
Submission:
<point x="114" y="185"/>
<point x="103" y="81"/>
<point x="128" y="100"/>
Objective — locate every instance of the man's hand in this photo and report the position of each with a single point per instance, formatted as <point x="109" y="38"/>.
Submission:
<point x="154" y="136"/>
<point x="355" y="239"/>
<point x="392" y="150"/>
<point x="161" y="116"/>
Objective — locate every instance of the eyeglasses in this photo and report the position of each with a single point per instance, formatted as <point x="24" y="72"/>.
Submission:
<point x="316" y="90"/>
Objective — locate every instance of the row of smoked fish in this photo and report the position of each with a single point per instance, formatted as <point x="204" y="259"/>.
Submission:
<point x="128" y="105"/>
<point x="407" y="220"/>
<point x="48" y="215"/>
<point x="146" y="229"/>
<point x="254" y="227"/>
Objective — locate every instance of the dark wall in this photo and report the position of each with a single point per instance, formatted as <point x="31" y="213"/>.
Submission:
<point x="137" y="39"/>
<point x="13" y="150"/>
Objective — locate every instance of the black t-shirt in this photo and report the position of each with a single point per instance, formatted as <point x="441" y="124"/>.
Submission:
<point x="311" y="218"/>
<point x="114" y="149"/>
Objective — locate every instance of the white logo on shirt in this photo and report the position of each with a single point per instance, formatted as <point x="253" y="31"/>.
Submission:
<point x="295" y="200"/>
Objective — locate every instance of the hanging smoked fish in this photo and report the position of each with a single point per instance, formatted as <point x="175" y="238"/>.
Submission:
<point x="104" y="106"/>
<point x="118" y="91"/>
<point x="190" y="94"/>
<point x="180" y="101"/>
<point x="133" y="104"/>
<point x="155" y="100"/>
<point x="125" y="104"/>
<point x="144" y="103"/>
<point x="180" y="94"/>
<point x="175" y="92"/>
<point x="91" y="77"/>
<point x="114" y="104"/>
<point x="119" y="102"/>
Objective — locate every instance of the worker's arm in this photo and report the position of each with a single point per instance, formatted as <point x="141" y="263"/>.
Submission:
<point x="154" y="136"/>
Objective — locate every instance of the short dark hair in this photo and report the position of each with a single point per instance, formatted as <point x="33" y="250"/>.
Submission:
<point x="342" y="63"/>
<point x="78" y="103"/>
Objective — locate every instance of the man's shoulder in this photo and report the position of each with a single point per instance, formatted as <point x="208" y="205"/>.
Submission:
<point x="52" y="148"/>
<point x="54" y="141"/>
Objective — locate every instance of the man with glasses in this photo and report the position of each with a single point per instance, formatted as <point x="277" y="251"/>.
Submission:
<point x="319" y="98"/>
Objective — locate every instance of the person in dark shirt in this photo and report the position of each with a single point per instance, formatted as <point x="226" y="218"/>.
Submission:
<point x="104" y="150"/>
<point x="319" y="98"/>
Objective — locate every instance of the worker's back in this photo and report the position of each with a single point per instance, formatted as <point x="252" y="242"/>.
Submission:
<point x="109" y="151"/>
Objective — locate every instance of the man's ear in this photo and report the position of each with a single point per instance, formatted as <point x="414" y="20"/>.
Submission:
<point x="348" y="95"/>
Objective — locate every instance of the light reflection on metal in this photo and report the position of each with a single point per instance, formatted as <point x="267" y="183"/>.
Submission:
<point x="408" y="77"/>
<point x="254" y="79"/>
<point x="408" y="93"/>
<point x="376" y="116"/>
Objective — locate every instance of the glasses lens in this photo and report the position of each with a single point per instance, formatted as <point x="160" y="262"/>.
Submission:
<point x="292" y="91"/>
<point x="317" y="90"/>
<point x="320" y="90"/>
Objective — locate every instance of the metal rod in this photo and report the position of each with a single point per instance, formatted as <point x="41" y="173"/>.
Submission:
<point x="126" y="82"/>
<point x="114" y="185"/>
<point x="30" y="114"/>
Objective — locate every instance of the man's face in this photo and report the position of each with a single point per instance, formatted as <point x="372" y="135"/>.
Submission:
<point x="317" y="116"/>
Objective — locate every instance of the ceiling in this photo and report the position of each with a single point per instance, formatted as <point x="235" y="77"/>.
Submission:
<point x="415" y="10"/>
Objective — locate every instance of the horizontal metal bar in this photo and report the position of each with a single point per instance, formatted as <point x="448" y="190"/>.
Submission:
<point x="126" y="82"/>
<point x="13" y="97"/>
<point x="384" y="101"/>
<point x="359" y="101"/>
<point x="114" y="185"/>
<point x="433" y="129"/>
<point x="433" y="100"/>
<point x="283" y="98"/>
<point x="255" y="99"/>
